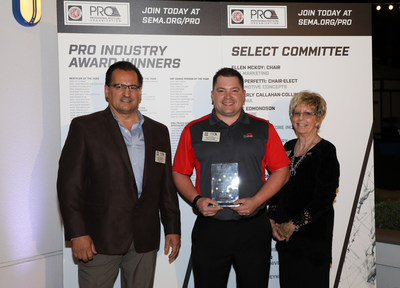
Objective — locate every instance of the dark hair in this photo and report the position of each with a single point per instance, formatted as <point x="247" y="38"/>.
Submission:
<point x="228" y="72"/>
<point x="126" y="66"/>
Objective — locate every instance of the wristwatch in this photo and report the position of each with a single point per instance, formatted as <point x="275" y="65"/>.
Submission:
<point x="194" y="203"/>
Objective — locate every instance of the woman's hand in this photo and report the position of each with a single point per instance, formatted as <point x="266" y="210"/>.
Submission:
<point x="286" y="230"/>
<point x="275" y="231"/>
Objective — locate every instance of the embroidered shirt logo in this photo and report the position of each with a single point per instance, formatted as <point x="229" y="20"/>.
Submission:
<point x="248" y="135"/>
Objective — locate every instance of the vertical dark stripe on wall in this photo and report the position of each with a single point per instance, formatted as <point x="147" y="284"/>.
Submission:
<point x="353" y="211"/>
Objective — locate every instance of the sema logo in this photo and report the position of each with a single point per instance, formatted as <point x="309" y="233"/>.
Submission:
<point x="237" y="16"/>
<point x="96" y="13"/>
<point x="74" y="13"/>
<point x="257" y="16"/>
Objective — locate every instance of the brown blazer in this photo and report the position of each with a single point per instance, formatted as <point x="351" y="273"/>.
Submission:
<point x="97" y="192"/>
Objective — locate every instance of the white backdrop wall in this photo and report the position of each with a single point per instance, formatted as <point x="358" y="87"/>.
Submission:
<point x="30" y="227"/>
<point x="178" y="62"/>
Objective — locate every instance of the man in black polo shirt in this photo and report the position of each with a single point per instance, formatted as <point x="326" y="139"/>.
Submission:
<point x="232" y="228"/>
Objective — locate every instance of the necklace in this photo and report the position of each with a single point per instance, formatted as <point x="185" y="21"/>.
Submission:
<point x="293" y="167"/>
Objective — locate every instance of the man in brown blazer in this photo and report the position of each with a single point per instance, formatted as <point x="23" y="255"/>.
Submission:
<point x="114" y="183"/>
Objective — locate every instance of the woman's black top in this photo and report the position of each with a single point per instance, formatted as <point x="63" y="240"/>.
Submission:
<point x="307" y="199"/>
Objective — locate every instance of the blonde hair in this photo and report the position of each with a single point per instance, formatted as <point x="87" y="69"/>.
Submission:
<point x="311" y="99"/>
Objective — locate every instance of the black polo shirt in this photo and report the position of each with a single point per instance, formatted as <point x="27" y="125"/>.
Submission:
<point x="251" y="142"/>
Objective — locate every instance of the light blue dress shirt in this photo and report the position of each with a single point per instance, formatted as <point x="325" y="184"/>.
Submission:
<point x="134" y="141"/>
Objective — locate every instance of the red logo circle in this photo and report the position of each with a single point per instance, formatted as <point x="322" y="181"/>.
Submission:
<point x="75" y="13"/>
<point x="237" y="16"/>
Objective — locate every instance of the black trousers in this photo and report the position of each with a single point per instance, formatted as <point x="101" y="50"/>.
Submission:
<point x="300" y="269"/>
<point x="244" y="245"/>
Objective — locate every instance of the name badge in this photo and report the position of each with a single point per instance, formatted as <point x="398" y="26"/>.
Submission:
<point x="211" y="136"/>
<point x="161" y="157"/>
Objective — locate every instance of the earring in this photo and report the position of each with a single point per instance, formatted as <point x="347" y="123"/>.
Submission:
<point x="317" y="126"/>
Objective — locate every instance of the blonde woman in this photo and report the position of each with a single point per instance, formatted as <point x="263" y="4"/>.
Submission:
<point x="302" y="212"/>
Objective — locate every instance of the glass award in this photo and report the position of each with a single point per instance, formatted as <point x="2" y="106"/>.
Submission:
<point x="225" y="183"/>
